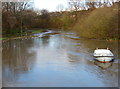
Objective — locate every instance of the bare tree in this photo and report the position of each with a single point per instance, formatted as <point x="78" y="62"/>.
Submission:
<point x="107" y="3"/>
<point x="60" y="7"/>
<point x="14" y="12"/>
<point x="91" y="5"/>
<point x="74" y="5"/>
<point x="15" y="7"/>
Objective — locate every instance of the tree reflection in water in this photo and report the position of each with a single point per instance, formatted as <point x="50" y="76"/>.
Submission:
<point x="19" y="58"/>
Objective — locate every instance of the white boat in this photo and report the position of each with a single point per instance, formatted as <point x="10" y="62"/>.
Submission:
<point x="103" y="55"/>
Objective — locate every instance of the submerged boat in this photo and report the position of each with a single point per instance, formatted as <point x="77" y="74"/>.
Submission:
<point x="103" y="55"/>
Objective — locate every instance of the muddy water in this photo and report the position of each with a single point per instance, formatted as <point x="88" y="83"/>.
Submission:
<point x="57" y="60"/>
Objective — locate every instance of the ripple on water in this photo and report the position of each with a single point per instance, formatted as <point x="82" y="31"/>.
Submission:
<point x="57" y="61"/>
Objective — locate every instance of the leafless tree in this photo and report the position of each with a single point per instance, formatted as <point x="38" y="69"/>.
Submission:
<point x="15" y="7"/>
<point x="13" y="11"/>
<point x="74" y="5"/>
<point x="60" y="7"/>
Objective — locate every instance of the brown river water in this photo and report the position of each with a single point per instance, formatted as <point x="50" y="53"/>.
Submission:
<point x="57" y="60"/>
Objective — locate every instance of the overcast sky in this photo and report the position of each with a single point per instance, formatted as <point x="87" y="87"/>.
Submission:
<point x="50" y="4"/>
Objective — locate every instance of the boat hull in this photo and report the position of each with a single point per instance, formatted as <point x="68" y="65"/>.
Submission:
<point x="103" y="65"/>
<point x="104" y="59"/>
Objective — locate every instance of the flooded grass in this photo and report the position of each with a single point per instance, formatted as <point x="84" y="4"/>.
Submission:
<point x="36" y="31"/>
<point x="3" y="38"/>
<point x="24" y="35"/>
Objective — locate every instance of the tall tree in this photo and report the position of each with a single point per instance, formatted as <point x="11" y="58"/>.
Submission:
<point x="12" y="13"/>
<point x="75" y="5"/>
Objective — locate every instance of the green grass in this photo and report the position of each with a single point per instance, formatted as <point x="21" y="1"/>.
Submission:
<point x="3" y="38"/>
<point x="19" y="36"/>
<point x="36" y="31"/>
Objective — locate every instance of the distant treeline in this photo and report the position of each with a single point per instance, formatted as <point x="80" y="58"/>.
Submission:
<point x="96" y="22"/>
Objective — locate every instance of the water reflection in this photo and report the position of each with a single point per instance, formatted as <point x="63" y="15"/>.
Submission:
<point x="57" y="61"/>
<point x="93" y="44"/>
<point x="103" y="65"/>
<point x="17" y="58"/>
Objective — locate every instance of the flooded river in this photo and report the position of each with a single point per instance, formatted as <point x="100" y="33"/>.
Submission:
<point x="57" y="60"/>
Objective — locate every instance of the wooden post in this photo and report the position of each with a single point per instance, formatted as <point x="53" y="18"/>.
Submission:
<point x="21" y="25"/>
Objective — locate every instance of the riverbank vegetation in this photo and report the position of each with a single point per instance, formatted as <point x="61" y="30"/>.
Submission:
<point x="101" y="23"/>
<point x="96" y="20"/>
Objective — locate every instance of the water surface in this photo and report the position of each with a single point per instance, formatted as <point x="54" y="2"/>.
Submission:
<point x="57" y="60"/>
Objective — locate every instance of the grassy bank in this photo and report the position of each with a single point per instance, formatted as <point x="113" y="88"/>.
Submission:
<point x="37" y="31"/>
<point x="26" y="34"/>
<point x="101" y="23"/>
<point x="3" y="38"/>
